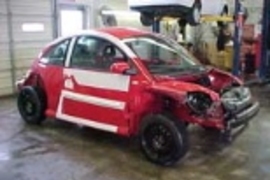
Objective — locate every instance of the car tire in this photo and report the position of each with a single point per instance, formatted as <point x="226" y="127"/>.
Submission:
<point x="194" y="15"/>
<point x="182" y="23"/>
<point x="163" y="141"/>
<point x="32" y="105"/>
<point x="147" y="19"/>
<point x="225" y="12"/>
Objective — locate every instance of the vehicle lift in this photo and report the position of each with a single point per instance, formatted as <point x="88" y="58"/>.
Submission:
<point x="238" y="18"/>
<point x="264" y="71"/>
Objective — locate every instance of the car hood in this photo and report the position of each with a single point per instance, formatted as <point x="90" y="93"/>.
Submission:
<point x="212" y="79"/>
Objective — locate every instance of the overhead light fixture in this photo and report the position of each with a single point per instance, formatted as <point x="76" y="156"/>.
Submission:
<point x="126" y="14"/>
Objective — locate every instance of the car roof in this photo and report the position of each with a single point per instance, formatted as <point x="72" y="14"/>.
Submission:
<point x="123" y="33"/>
<point x="115" y="32"/>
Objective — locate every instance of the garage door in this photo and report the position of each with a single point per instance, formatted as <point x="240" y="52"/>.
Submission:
<point x="30" y="28"/>
<point x="5" y="67"/>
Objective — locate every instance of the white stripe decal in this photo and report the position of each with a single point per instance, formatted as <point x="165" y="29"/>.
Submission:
<point x="82" y="121"/>
<point x="89" y="123"/>
<point x="119" y="105"/>
<point x="100" y="80"/>
<point x="70" y="50"/>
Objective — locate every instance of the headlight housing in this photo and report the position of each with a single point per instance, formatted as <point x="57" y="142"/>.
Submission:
<point x="199" y="102"/>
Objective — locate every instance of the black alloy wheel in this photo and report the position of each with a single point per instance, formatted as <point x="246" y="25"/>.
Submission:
<point x="163" y="141"/>
<point x="31" y="105"/>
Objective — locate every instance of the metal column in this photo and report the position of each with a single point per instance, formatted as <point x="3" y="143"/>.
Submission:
<point x="156" y="26"/>
<point x="237" y="37"/>
<point x="264" y="72"/>
<point x="54" y="18"/>
<point x="11" y="44"/>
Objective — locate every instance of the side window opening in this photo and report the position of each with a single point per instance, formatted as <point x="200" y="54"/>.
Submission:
<point x="84" y="53"/>
<point x="95" y="53"/>
<point x="57" y="54"/>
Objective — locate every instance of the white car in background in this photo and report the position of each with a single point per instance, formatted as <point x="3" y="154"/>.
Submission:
<point x="191" y="10"/>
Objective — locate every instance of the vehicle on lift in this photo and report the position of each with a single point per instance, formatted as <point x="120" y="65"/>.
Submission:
<point x="133" y="83"/>
<point x="190" y="10"/>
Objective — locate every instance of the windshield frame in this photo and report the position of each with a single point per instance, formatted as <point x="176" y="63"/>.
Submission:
<point x="183" y="54"/>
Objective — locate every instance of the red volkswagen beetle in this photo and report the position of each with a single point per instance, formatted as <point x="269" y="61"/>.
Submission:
<point x="131" y="82"/>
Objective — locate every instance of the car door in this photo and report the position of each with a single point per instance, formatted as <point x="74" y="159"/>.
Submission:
<point x="91" y="94"/>
<point x="50" y="69"/>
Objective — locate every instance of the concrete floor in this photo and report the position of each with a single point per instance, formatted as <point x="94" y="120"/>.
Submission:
<point x="61" y="151"/>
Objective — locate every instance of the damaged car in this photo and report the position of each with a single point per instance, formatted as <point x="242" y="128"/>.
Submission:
<point x="133" y="83"/>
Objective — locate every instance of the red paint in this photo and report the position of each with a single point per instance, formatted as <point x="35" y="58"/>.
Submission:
<point x="258" y="47"/>
<point x="146" y="93"/>
<point x="119" y="67"/>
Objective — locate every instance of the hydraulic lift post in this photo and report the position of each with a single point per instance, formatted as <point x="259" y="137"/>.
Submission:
<point x="264" y="72"/>
<point x="156" y="26"/>
<point x="238" y="28"/>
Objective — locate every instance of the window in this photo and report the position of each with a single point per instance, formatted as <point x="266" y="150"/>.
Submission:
<point x="150" y="49"/>
<point x="57" y="54"/>
<point x="95" y="53"/>
<point x="161" y="55"/>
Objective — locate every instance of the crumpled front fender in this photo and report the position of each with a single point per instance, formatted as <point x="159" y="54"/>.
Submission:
<point x="178" y="90"/>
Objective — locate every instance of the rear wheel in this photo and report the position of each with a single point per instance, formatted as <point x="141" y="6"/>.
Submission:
<point x="194" y="16"/>
<point x="31" y="105"/>
<point x="147" y="19"/>
<point x="163" y="140"/>
<point x="225" y="12"/>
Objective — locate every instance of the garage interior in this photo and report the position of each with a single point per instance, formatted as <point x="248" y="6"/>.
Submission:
<point x="58" y="150"/>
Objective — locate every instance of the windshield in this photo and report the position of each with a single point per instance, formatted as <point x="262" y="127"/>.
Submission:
<point x="161" y="55"/>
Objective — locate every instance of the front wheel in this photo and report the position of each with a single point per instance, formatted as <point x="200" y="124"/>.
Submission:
<point x="163" y="141"/>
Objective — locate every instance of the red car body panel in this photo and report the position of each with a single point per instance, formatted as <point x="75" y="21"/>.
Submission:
<point x="122" y="109"/>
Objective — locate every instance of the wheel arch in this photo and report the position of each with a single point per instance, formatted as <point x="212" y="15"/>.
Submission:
<point x="34" y="80"/>
<point x="161" y="103"/>
<point x="177" y="129"/>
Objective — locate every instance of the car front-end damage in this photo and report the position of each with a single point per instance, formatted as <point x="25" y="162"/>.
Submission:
<point x="225" y="111"/>
<point x="239" y="107"/>
<point x="230" y="113"/>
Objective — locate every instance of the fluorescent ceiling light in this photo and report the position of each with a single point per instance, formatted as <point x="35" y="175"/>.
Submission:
<point x="33" y="27"/>
<point x="120" y="13"/>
